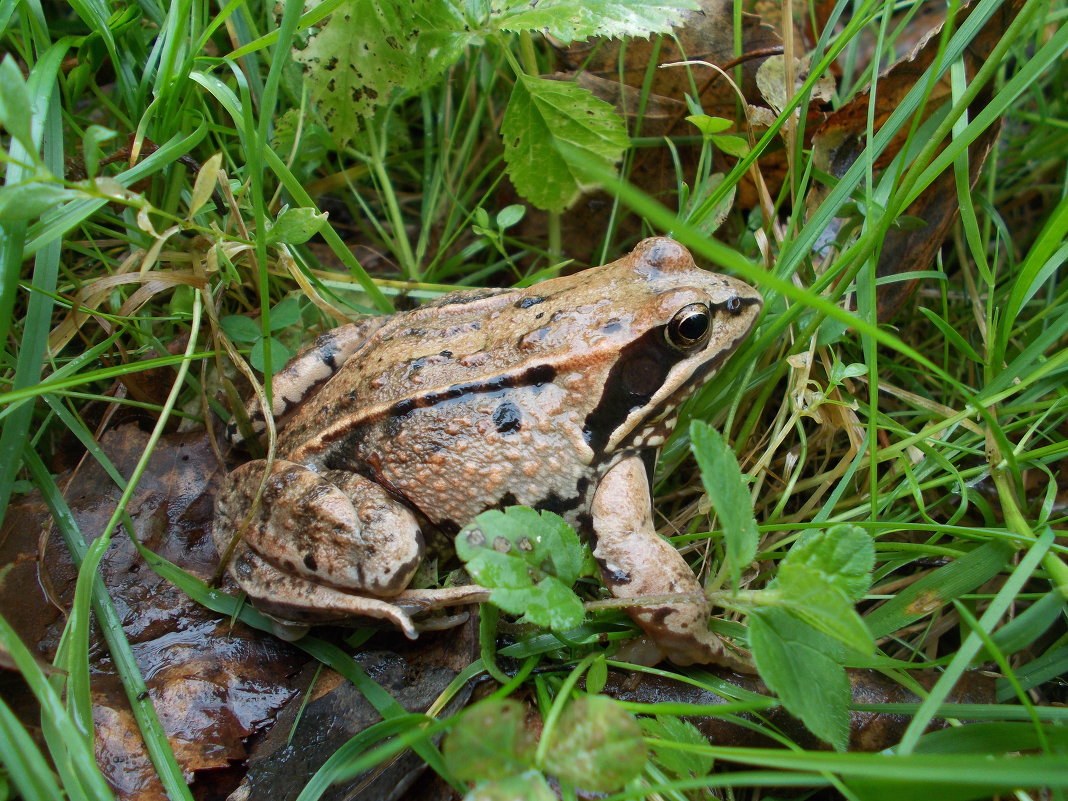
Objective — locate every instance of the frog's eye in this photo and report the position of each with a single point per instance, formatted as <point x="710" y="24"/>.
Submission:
<point x="689" y="327"/>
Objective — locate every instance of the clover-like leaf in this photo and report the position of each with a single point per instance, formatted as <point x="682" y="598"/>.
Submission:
<point x="529" y="560"/>
<point x="597" y="745"/>
<point x="491" y="740"/>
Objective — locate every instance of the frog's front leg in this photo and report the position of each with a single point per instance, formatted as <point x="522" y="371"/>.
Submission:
<point x="319" y="547"/>
<point x="636" y="563"/>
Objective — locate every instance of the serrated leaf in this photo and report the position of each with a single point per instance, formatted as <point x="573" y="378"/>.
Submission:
<point x="491" y="740"/>
<point x="370" y="48"/>
<point x="596" y="745"/>
<point x="580" y="19"/>
<point x="799" y="666"/>
<point x="541" y="542"/>
<point x="239" y="328"/>
<point x="530" y="560"/>
<point x="296" y="226"/>
<point x="825" y="608"/>
<point x="550" y="604"/>
<point x="683" y="764"/>
<point x="728" y="493"/>
<point x="542" y="113"/>
<point x="842" y="557"/>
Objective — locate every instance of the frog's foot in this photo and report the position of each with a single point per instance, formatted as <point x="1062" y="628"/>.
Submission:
<point x="336" y="528"/>
<point x="637" y="563"/>
<point x="293" y="603"/>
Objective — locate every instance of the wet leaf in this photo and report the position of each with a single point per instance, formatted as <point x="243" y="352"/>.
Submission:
<point x="597" y="745"/>
<point x="530" y="560"/>
<point x="491" y="740"/>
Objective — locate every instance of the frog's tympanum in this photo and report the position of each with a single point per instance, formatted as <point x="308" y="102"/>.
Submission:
<point x="546" y="396"/>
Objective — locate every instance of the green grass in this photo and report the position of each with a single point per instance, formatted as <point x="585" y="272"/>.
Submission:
<point x="942" y="433"/>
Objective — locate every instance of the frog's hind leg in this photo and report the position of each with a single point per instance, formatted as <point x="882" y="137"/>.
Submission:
<point x="293" y="602"/>
<point x="637" y="563"/>
<point x="314" y="364"/>
<point x="335" y="530"/>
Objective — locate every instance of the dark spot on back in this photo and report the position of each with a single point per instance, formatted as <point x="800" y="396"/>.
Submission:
<point x="531" y="300"/>
<point x="507" y="417"/>
<point x="310" y="563"/>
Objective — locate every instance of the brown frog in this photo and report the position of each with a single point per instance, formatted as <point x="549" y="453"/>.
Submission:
<point x="546" y="396"/>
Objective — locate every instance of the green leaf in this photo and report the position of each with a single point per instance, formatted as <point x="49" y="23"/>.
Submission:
<point x="240" y="328"/>
<point x="491" y="740"/>
<point x="541" y="542"/>
<point x="21" y="202"/>
<point x="530" y="560"/>
<point x="732" y="145"/>
<point x="951" y="334"/>
<point x="510" y="215"/>
<point x="824" y="607"/>
<point x="729" y="494"/>
<point x="92" y="138"/>
<point x="596" y="745"/>
<point x="542" y="114"/>
<point x="529" y="786"/>
<point x="296" y="226"/>
<point x="683" y="764"/>
<point x="939" y="588"/>
<point x="799" y="666"/>
<point x="843" y="558"/>
<point x="15" y="109"/>
<point x="550" y="604"/>
<point x="280" y="354"/>
<point x="285" y="314"/>
<point x="709" y="126"/>
<point x="580" y="19"/>
<point x="370" y="48"/>
<point x="597" y="675"/>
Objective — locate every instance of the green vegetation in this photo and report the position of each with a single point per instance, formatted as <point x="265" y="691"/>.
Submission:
<point x="193" y="187"/>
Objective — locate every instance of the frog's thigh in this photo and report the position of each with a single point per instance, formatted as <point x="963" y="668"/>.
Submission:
<point x="334" y="528"/>
<point x="636" y="562"/>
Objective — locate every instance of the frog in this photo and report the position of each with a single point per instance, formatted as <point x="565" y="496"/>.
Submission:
<point x="555" y="396"/>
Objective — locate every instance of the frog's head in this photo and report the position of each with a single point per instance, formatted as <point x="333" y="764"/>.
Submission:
<point x="687" y="324"/>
